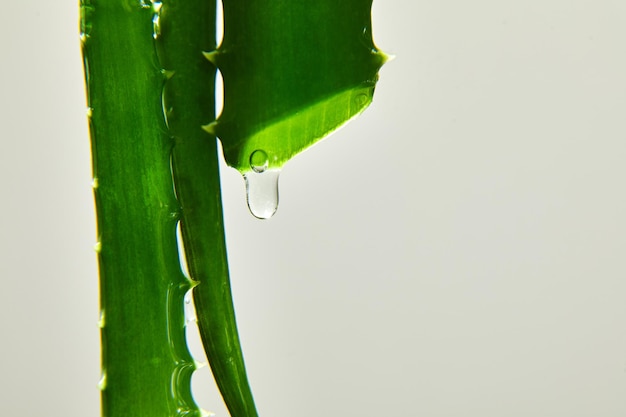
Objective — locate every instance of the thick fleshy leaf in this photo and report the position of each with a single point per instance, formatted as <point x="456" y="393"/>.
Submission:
<point x="294" y="71"/>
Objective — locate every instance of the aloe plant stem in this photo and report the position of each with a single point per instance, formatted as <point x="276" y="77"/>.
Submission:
<point x="146" y="365"/>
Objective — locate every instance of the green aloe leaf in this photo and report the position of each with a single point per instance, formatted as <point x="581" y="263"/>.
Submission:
<point x="146" y="365"/>
<point x="294" y="71"/>
<point x="186" y="29"/>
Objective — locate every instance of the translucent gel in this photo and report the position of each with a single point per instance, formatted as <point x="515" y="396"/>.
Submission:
<point x="262" y="192"/>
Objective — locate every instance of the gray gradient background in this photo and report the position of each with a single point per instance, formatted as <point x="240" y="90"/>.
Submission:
<point x="459" y="250"/>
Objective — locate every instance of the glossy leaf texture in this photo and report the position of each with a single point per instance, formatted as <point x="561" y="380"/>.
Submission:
<point x="186" y="29"/>
<point x="150" y="90"/>
<point x="145" y="362"/>
<point x="294" y="71"/>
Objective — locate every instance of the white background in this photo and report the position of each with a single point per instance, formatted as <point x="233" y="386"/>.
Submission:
<point x="458" y="250"/>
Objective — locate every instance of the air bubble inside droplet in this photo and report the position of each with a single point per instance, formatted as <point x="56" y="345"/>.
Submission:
<point x="262" y="192"/>
<point x="259" y="161"/>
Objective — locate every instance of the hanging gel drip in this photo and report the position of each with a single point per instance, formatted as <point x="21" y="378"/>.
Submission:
<point x="262" y="192"/>
<point x="261" y="186"/>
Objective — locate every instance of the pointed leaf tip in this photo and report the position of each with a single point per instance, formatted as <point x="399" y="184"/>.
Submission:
<point x="168" y="74"/>
<point x="212" y="56"/>
<point x="211" y="128"/>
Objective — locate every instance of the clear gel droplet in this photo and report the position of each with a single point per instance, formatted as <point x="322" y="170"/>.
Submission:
<point x="259" y="161"/>
<point x="262" y="192"/>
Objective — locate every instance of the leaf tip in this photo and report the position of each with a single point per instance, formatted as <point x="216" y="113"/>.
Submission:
<point x="211" y="128"/>
<point x="212" y="56"/>
<point x="167" y="74"/>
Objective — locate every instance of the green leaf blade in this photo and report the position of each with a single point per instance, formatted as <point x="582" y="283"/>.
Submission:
<point x="289" y="68"/>
<point x="188" y="30"/>
<point x="146" y="366"/>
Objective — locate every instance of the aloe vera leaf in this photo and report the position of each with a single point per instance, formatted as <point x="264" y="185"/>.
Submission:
<point x="146" y="365"/>
<point x="294" y="71"/>
<point x="187" y="28"/>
